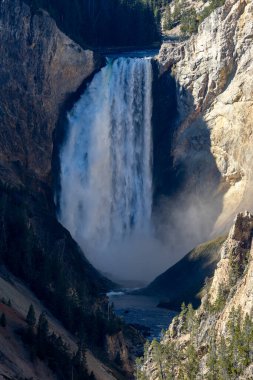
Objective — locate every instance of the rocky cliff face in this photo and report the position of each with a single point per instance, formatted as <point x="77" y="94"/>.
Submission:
<point x="212" y="155"/>
<point x="39" y="68"/>
<point x="213" y="143"/>
<point x="221" y="326"/>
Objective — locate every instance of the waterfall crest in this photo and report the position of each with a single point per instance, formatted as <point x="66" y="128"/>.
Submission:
<point x="106" y="161"/>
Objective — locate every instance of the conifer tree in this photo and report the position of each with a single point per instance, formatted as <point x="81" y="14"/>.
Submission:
<point x="247" y="339"/>
<point x="42" y="335"/>
<point x="31" y="318"/>
<point x="192" y="362"/>
<point x="167" y="21"/>
<point x="212" y="360"/>
<point x="220" y="300"/>
<point x="79" y="360"/>
<point x="223" y="360"/>
<point x="43" y="324"/>
<point x="158" y="357"/>
<point x="172" y="359"/>
<point x="3" y="320"/>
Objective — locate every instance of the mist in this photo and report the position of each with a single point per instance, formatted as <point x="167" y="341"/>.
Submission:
<point x="178" y="225"/>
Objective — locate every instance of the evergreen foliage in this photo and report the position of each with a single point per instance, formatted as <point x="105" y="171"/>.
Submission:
<point x="51" y="349"/>
<point x="237" y="265"/>
<point x="49" y="270"/>
<point x="220" y="300"/>
<point x="167" y="18"/>
<point x="105" y="23"/>
<point x="189" y="19"/>
<point x="227" y="356"/>
<point x="31" y="318"/>
<point x="3" y="320"/>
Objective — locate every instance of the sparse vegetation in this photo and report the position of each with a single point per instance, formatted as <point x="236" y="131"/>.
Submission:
<point x="220" y="300"/>
<point x="189" y="19"/>
<point x="226" y="357"/>
<point x="51" y="349"/>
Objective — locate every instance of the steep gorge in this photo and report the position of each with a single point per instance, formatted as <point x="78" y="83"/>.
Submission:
<point x="202" y="165"/>
<point x="40" y="69"/>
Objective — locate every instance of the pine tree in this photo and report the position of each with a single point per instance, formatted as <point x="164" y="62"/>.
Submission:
<point x="189" y="22"/>
<point x="79" y="360"/>
<point x="3" y="320"/>
<point x="212" y="360"/>
<point x="192" y="362"/>
<point x="167" y="18"/>
<point x="138" y="369"/>
<point x="31" y="318"/>
<point x="177" y="11"/>
<point x="42" y="336"/>
<point x="183" y="309"/>
<point x="172" y="359"/>
<point x="220" y="299"/>
<point x="247" y="339"/>
<point x="157" y="353"/>
<point x="190" y="318"/>
<point x="43" y="324"/>
<point x="223" y="360"/>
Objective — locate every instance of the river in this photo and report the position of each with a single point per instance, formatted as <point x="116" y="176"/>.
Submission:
<point x="143" y="311"/>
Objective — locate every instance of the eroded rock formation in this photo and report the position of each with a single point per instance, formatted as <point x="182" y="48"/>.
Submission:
<point x="213" y="144"/>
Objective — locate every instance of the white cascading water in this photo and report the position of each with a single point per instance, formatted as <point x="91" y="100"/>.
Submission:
<point x="106" y="163"/>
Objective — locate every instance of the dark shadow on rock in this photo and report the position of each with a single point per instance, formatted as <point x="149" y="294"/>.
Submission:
<point x="187" y="194"/>
<point x="164" y="122"/>
<point x="184" y="280"/>
<point x="60" y="134"/>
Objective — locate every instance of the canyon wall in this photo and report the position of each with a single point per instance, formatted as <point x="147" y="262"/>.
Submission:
<point x="212" y="152"/>
<point x="212" y="146"/>
<point x="40" y="68"/>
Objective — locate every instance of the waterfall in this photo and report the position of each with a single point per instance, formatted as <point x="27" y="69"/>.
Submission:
<point x="106" y="161"/>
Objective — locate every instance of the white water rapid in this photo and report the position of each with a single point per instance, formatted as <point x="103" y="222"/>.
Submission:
<point x="106" y="166"/>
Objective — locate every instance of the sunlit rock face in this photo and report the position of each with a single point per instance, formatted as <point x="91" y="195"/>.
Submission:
<point x="213" y="143"/>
